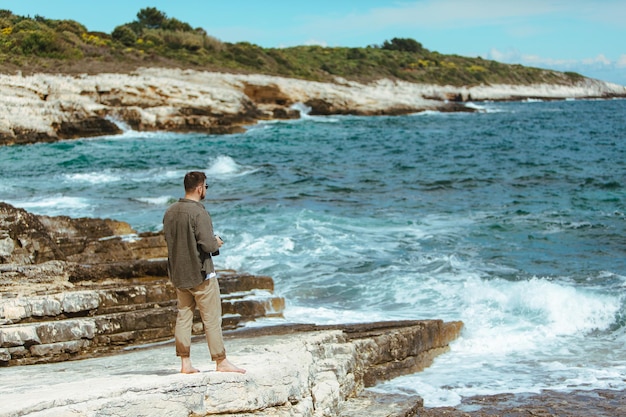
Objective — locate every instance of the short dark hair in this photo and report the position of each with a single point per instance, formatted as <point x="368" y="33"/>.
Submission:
<point x="194" y="179"/>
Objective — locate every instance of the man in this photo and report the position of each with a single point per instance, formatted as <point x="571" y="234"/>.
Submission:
<point x="188" y="230"/>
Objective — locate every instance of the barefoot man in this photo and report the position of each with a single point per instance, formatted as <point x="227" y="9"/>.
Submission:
<point x="188" y="230"/>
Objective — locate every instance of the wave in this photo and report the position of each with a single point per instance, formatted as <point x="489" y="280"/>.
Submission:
<point x="504" y="315"/>
<point x="485" y="108"/>
<point x="224" y="166"/>
<point x="94" y="177"/>
<point x="219" y="167"/>
<point x="123" y="126"/>
<point x="55" y="205"/>
<point x="124" y="175"/>
<point x="163" y="200"/>
<point x="525" y="336"/>
<point x="480" y="108"/>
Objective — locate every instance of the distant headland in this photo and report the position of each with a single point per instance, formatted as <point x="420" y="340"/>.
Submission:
<point x="60" y="81"/>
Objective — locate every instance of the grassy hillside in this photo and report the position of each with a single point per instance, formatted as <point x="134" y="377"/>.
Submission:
<point x="38" y="44"/>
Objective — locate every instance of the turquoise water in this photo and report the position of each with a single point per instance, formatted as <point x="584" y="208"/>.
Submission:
<point x="511" y="219"/>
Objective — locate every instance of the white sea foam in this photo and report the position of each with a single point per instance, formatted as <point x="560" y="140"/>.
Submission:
<point x="485" y="108"/>
<point x="508" y="322"/>
<point x="157" y="201"/>
<point x="224" y="166"/>
<point x="302" y="108"/>
<point x="123" y="126"/>
<point x="157" y="175"/>
<point x="305" y="114"/>
<point x="299" y="314"/>
<point x="427" y="113"/>
<point x="55" y="205"/>
<point x="93" y="177"/>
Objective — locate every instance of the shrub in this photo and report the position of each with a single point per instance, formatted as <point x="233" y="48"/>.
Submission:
<point x="41" y="43"/>
<point x="70" y="26"/>
<point x="176" y="25"/>
<point x="187" y="40"/>
<point x="153" y="37"/>
<point x="125" y="35"/>
<point x="27" y="25"/>
<point x="6" y="14"/>
<point x="210" y="43"/>
<point x="403" y="44"/>
<point x="96" y="38"/>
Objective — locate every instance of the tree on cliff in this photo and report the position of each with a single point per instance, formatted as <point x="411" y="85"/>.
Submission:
<point x="403" y="44"/>
<point x="151" y="18"/>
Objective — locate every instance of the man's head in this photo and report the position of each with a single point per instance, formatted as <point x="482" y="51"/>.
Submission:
<point x="195" y="185"/>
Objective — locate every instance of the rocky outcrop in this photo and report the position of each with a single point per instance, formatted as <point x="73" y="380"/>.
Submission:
<point x="293" y="370"/>
<point x="115" y="313"/>
<point x="45" y="107"/>
<point x="73" y="288"/>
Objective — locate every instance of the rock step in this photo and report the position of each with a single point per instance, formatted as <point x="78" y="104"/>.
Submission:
<point x="74" y="338"/>
<point x="125" y="295"/>
<point x="88" y="322"/>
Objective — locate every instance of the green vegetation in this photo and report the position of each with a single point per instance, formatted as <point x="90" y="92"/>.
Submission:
<point x="154" y="39"/>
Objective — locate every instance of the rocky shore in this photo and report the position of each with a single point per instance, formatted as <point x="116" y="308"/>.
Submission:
<point x="74" y="292"/>
<point x="48" y="107"/>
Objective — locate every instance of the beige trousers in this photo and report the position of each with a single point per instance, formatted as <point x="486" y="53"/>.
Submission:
<point x="206" y="297"/>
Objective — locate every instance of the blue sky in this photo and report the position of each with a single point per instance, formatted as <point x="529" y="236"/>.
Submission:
<point x="584" y="36"/>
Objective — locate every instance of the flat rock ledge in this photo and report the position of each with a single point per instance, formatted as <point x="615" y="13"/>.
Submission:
<point x="48" y="107"/>
<point x="293" y="370"/>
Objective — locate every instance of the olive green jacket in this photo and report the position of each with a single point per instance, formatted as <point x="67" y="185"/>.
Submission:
<point x="188" y="231"/>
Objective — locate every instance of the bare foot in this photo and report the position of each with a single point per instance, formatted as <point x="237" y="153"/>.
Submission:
<point x="187" y="368"/>
<point x="225" y="366"/>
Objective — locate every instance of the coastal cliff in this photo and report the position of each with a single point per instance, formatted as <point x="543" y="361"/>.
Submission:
<point x="48" y="107"/>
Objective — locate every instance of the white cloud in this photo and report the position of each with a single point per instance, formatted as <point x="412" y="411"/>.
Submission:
<point x="515" y="57"/>
<point x="598" y="60"/>
<point x="315" y="42"/>
<point x="621" y="62"/>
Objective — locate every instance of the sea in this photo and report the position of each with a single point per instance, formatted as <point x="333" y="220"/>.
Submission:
<point x="511" y="219"/>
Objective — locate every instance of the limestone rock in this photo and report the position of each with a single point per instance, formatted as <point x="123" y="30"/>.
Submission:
<point x="72" y="288"/>
<point x="46" y="107"/>
<point x="293" y="370"/>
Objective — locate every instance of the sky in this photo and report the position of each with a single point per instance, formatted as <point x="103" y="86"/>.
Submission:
<point x="584" y="36"/>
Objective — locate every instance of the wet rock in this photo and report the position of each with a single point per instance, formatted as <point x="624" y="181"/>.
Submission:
<point x="87" y="127"/>
<point x="597" y="403"/>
